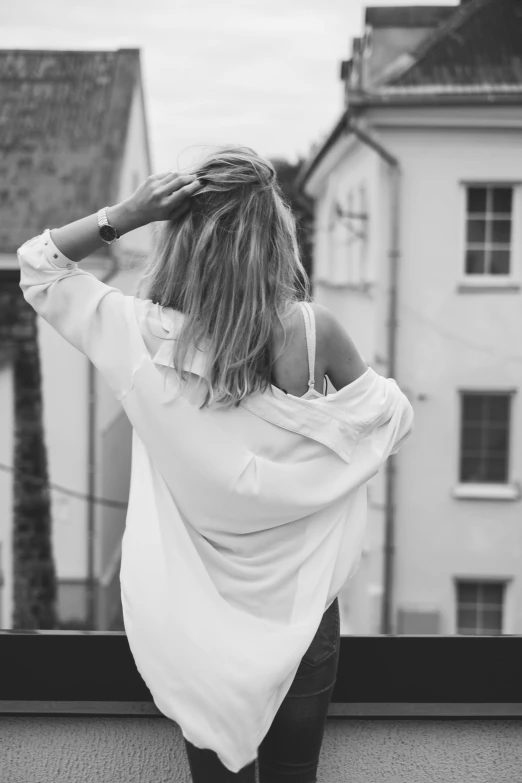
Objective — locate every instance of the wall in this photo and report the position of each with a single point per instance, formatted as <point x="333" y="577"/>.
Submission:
<point x="113" y="446"/>
<point x="6" y="494"/>
<point x="135" y="168"/>
<point x="151" y="750"/>
<point x="65" y="403"/>
<point x="449" y="339"/>
<point x="438" y="537"/>
<point x="357" y="294"/>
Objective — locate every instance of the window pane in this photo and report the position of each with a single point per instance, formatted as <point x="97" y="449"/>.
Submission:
<point x="500" y="231"/>
<point x="498" y="408"/>
<point x="467" y="618"/>
<point x="496" y="441"/>
<point x="477" y="200"/>
<point x="491" y="620"/>
<point x="475" y="262"/>
<point x="472" y="469"/>
<point x="502" y="198"/>
<point x="496" y="472"/>
<point x="467" y="592"/>
<point x="471" y="438"/>
<point x="472" y="407"/>
<point x="492" y="593"/>
<point x="476" y="233"/>
<point x="499" y="262"/>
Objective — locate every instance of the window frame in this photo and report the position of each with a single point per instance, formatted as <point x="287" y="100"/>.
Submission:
<point x="467" y="281"/>
<point x="482" y="580"/>
<point x="509" y="394"/>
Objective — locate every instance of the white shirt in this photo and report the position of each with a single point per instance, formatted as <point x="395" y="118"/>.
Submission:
<point x="243" y="524"/>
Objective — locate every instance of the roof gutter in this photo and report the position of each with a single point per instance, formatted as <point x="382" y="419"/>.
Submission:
<point x="391" y="333"/>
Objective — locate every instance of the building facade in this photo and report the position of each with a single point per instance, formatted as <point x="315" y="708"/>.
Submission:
<point x="74" y="140"/>
<point x="418" y="251"/>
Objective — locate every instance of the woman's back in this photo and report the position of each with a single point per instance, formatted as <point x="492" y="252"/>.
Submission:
<point x="318" y="344"/>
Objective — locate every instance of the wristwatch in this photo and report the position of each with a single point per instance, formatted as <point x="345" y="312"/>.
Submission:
<point x="108" y="233"/>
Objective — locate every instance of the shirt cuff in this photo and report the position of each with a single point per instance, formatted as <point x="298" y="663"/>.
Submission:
<point x="54" y="256"/>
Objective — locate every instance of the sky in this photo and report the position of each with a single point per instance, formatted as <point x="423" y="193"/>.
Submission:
<point x="263" y="73"/>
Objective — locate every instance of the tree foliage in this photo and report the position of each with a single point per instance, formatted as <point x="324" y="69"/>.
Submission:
<point x="34" y="577"/>
<point x="301" y="205"/>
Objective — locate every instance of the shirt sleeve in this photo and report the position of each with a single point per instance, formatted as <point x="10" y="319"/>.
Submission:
<point x="97" y="319"/>
<point x="393" y="424"/>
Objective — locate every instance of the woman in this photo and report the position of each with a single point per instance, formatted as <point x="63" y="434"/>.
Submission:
<point x="247" y="504"/>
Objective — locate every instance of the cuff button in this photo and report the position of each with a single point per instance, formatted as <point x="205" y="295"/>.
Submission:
<point x="54" y="255"/>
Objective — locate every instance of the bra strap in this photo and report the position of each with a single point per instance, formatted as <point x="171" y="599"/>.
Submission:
<point x="309" y="319"/>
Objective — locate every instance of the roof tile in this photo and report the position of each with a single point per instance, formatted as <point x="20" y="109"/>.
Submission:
<point x="63" y="120"/>
<point x="480" y="45"/>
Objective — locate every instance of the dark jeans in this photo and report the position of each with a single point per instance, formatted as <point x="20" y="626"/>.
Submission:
<point x="290" y="750"/>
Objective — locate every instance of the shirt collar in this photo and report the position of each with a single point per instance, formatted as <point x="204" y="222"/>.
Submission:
<point x="330" y="420"/>
<point x="171" y="321"/>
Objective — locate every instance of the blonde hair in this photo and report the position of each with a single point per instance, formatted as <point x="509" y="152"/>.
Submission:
<point x="231" y="265"/>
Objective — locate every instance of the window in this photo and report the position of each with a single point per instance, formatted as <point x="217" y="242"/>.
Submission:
<point x="347" y="231"/>
<point x="484" y="442"/>
<point x="479" y="607"/>
<point x="488" y="230"/>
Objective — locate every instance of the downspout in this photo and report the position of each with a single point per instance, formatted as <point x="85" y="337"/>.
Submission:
<point x="390" y="465"/>
<point x="91" y="468"/>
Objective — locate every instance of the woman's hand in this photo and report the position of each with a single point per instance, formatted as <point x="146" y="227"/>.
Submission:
<point x="164" y="196"/>
<point x="160" y="197"/>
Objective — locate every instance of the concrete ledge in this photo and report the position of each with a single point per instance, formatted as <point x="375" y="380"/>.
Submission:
<point x="60" y="749"/>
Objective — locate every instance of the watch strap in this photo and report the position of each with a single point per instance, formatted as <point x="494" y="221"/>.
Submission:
<point x="103" y="220"/>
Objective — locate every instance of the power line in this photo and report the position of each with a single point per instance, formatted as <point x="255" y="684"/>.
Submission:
<point x="64" y="490"/>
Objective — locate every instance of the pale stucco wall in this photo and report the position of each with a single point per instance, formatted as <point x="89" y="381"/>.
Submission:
<point x="438" y="537"/>
<point x="151" y="750"/>
<point x="113" y="428"/>
<point x="64" y="391"/>
<point x="341" y="260"/>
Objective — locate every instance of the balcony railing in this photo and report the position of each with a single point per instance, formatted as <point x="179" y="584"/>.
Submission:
<point x="446" y="704"/>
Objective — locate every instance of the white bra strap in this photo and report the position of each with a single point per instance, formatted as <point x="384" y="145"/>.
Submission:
<point x="309" y="319"/>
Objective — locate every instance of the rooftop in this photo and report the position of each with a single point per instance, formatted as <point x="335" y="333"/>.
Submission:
<point x="63" y="120"/>
<point x="479" y="45"/>
<point x="407" y="15"/>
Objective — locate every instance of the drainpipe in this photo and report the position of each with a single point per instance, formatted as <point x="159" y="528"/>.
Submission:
<point x="390" y="465"/>
<point x="91" y="467"/>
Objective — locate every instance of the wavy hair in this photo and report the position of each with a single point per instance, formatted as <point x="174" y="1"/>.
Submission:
<point x="231" y="265"/>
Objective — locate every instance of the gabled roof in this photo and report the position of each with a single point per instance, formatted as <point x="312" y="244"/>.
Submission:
<point x="479" y="46"/>
<point x="63" y="123"/>
<point x="474" y="55"/>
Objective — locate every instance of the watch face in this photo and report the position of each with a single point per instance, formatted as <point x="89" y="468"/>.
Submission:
<point x="107" y="233"/>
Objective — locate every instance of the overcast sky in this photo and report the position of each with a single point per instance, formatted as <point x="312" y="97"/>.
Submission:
<point x="264" y="73"/>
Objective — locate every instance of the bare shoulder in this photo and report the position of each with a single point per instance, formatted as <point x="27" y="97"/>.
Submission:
<point x="342" y="361"/>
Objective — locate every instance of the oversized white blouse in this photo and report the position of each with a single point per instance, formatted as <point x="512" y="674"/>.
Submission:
<point x="243" y="524"/>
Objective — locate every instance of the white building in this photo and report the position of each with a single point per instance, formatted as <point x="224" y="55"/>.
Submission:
<point x="74" y="134"/>
<point x="418" y="251"/>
